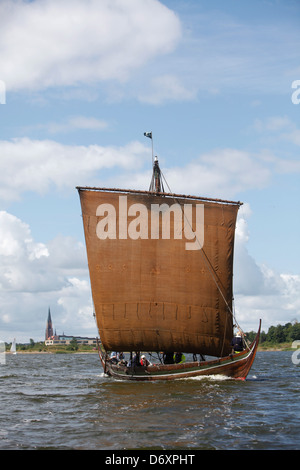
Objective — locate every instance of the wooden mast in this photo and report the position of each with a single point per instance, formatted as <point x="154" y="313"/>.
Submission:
<point x="156" y="184"/>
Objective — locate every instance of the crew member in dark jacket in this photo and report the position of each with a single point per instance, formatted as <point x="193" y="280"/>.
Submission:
<point x="237" y="342"/>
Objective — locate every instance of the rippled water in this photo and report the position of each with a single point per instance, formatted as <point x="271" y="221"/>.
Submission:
<point x="60" y="401"/>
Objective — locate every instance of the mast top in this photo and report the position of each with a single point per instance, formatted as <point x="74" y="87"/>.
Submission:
<point x="156" y="184"/>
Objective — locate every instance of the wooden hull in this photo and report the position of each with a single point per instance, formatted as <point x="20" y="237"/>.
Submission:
<point x="236" y="365"/>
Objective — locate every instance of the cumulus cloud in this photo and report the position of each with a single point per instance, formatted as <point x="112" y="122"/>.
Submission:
<point x="53" y="43"/>
<point x="38" y="165"/>
<point x="76" y="301"/>
<point x="34" y="275"/>
<point x="29" y="266"/>
<point x="18" y="251"/>
<point x="139" y="49"/>
<point x="261" y="292"/>
<point x="35" y="165"/>
<point x="220" y="173"/>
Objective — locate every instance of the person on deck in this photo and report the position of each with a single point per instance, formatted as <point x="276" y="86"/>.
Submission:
<point x="135" y="361"/>
<point x="237" y="342"/>
<point x="179" y="358"/>
<point x="114" y="358"/>
<point x="144" y="361"/>
<point x="168" y="358"/>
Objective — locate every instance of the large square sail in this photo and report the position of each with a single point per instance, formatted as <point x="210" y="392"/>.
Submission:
<point x="161" y="270"/>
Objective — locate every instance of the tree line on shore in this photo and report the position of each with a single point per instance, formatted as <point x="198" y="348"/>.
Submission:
<point x="278" y="334"/>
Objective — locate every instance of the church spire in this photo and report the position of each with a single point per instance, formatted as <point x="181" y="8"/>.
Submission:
<point x="49" y="328"/>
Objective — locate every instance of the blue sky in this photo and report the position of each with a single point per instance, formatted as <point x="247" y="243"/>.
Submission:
<point x="211" y="79"/>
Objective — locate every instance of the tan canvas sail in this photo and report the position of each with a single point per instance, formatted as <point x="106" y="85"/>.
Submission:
<point x="160" y="269"/>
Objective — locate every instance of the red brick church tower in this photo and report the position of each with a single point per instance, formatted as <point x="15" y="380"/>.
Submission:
<point x="49" y="327"/>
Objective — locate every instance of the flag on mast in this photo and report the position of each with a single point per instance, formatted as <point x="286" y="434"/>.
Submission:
<point x="149" y="134"/>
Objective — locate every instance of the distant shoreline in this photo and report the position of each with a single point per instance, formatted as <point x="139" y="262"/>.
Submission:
<point x="52" y="352"/>
<point x="260" y="349"/>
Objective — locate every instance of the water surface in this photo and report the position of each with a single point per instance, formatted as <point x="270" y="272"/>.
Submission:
<point x="63" y="401"/>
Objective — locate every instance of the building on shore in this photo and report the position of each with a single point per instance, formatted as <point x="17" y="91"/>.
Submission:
<point x="54" y="339"/>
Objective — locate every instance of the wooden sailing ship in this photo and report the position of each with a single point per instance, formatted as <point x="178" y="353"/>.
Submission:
<point x="161" y="268"/>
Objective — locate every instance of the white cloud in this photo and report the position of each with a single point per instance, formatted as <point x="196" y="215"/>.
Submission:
<point x="273" y="124"/>
<point x="37" y="165"/>
<point x="76" y="301"/>
<point x="278" y="128"/>
<point x="293" y="136"/>
<point x="140" y="49"/>
<point x="34" y="275"/>
<point x="260" y="292"/>
<point x="166" y="88"/>
<point x="25" y="264"/>
<point x="220" y="52"/>
<point x="53" y="43"/>
<point x="222" y="172"/>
